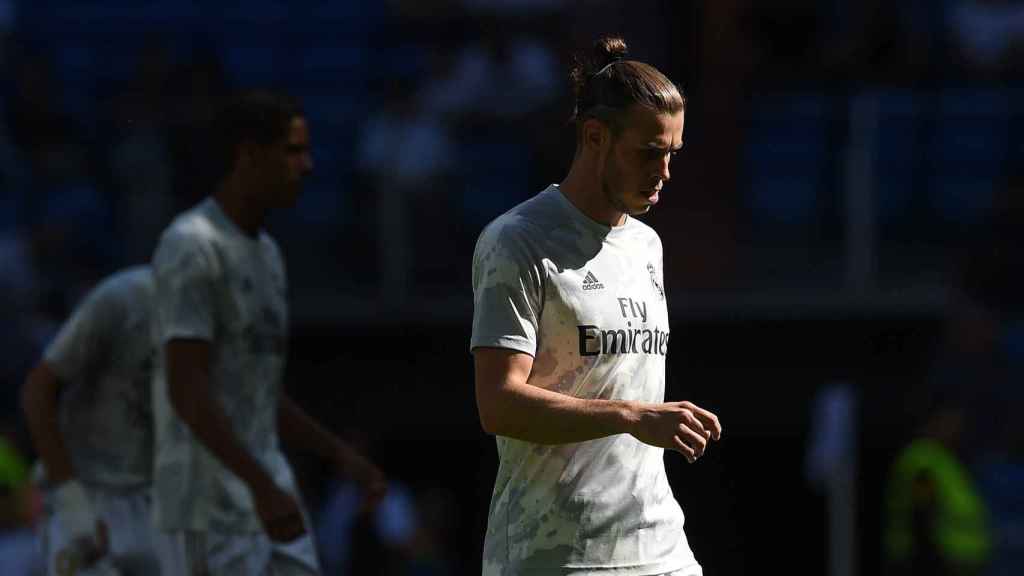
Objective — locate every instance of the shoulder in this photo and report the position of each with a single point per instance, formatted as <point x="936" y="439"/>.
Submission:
<point x="645" y="235"/>
<point x="191" y="231"/>
<point x="128" y="284"/>
<point x="525" y="224"/>
<point x="120" y="292"/>
<point x="270" y="246"/>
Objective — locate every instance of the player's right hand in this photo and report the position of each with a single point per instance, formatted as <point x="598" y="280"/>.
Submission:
<point x="280" y="513"/>
<point x="680" y="426"/>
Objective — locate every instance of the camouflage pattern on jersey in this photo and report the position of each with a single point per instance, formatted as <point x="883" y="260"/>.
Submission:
<point x="217" y="284"/>
<point x="586" y="301"/>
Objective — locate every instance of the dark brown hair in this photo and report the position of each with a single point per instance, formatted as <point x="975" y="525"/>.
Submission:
<point x="256" y="117"/>
<point x="605" y="85"/>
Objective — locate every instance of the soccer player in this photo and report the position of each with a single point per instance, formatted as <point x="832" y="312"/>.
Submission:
<point x="570" y="332"/>
<point x="87" y="404"/>
<point x="223" y="490"/>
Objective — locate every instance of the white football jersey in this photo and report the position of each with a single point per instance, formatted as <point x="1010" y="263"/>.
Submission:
<point x="587" y="301"/>
<point x="215" y="283"/>
<point x="104" y="354"/>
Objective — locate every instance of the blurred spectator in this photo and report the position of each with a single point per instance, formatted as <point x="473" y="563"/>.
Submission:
<point x="404" y="536"/>
<point x="19" y="508"/>
<point x="19" y="339"/>
<point x="14" y="198"/>
<point x="403" y="146"/>
<point x="67" y="217"/>
<point x="501" y="75"/>
<point x="394" y="541"/>
<point x="936" y="520"/>
<point x="975" y="382"/>
<point x="990" y="312"/>
<point x="991" y="318"/>
<point x="140" y="158"/>
<point x="198" y="88"/>
<point x="38" y="127"/>
<point x="407" y="158"/>
<point x="988" y="34"/>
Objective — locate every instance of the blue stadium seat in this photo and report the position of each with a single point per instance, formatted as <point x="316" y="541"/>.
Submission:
<point x="968" y="151"/>
<point x="786" y="161"/>
<point x="895" y="154"/>
<point x="253" y="64"/>
<point x="495" y="179"/>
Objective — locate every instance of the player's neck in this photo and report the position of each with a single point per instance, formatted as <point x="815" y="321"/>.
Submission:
<point x="582" y="187"/>
<point x="236" y="202"/>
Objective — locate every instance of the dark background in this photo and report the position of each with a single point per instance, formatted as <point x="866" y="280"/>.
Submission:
<point x="845" y="211"/>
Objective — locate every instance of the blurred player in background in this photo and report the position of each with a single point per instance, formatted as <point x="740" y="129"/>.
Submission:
<point x="223" y="491"/>
<point x="570" y="332"/>
<point x="87" y="404"/>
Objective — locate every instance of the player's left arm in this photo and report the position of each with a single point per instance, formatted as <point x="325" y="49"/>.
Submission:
<point x="81" y="344"/>
<point x="301" y="431"/>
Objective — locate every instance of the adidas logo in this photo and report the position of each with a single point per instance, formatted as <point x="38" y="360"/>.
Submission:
<point x="590" y="282"/>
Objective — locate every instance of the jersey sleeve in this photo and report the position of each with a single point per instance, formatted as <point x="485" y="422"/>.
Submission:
<point x="507" y="291"/>
<point x="185" y="276"/>
<point x="84" y="339"/>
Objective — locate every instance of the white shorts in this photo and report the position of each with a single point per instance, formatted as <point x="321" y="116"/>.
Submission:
<point x="691" y="570"/>
<point x="219" y="554"/>
<point x="132" y="536"/>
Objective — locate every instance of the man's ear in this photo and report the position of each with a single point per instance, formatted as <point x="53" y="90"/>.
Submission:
<point x="596" y="135"/>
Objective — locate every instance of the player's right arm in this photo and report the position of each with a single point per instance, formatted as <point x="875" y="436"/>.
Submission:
<point x="508" y="294"/>
<point x="39" y="403"/>
<point x="187" y="277"/>
<point x="510" y="406"/>
<point x="188" y="388"/>
<point x="78" y="351"/>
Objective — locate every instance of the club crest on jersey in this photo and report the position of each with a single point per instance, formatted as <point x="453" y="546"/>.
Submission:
<point x="654" y="280"/>
<point x="590" y="282"/>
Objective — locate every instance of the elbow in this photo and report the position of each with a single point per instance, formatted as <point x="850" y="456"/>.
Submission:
<point x="489" y="414"/>
<point x="494" y="420"/>
<point x="177" y="394"/>
<point x="489" y="423"/>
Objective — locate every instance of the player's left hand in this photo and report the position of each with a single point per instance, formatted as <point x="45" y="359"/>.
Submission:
<point x="370" y="479"/>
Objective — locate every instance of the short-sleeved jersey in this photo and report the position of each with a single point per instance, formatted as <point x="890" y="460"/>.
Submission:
<point x="587" y="301"/>
<point x="217" y="284"/>
<point x="104" y="355"/>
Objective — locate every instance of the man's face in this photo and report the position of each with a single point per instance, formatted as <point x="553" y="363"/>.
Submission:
<point x="286" y="164"/>
<point x="636" y="166"/>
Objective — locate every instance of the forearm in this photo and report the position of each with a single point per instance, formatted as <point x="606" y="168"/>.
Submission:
<point x="302" y="432"/>
<point x="39" y="402"/>
<point x="208" y="423"/>
<point x="533" y="414"/>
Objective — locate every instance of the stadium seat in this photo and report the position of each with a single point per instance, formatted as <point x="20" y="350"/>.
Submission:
<point x="787" y="160"/>
<point x="894" y="155"/>
<point x="967" y="151"/>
